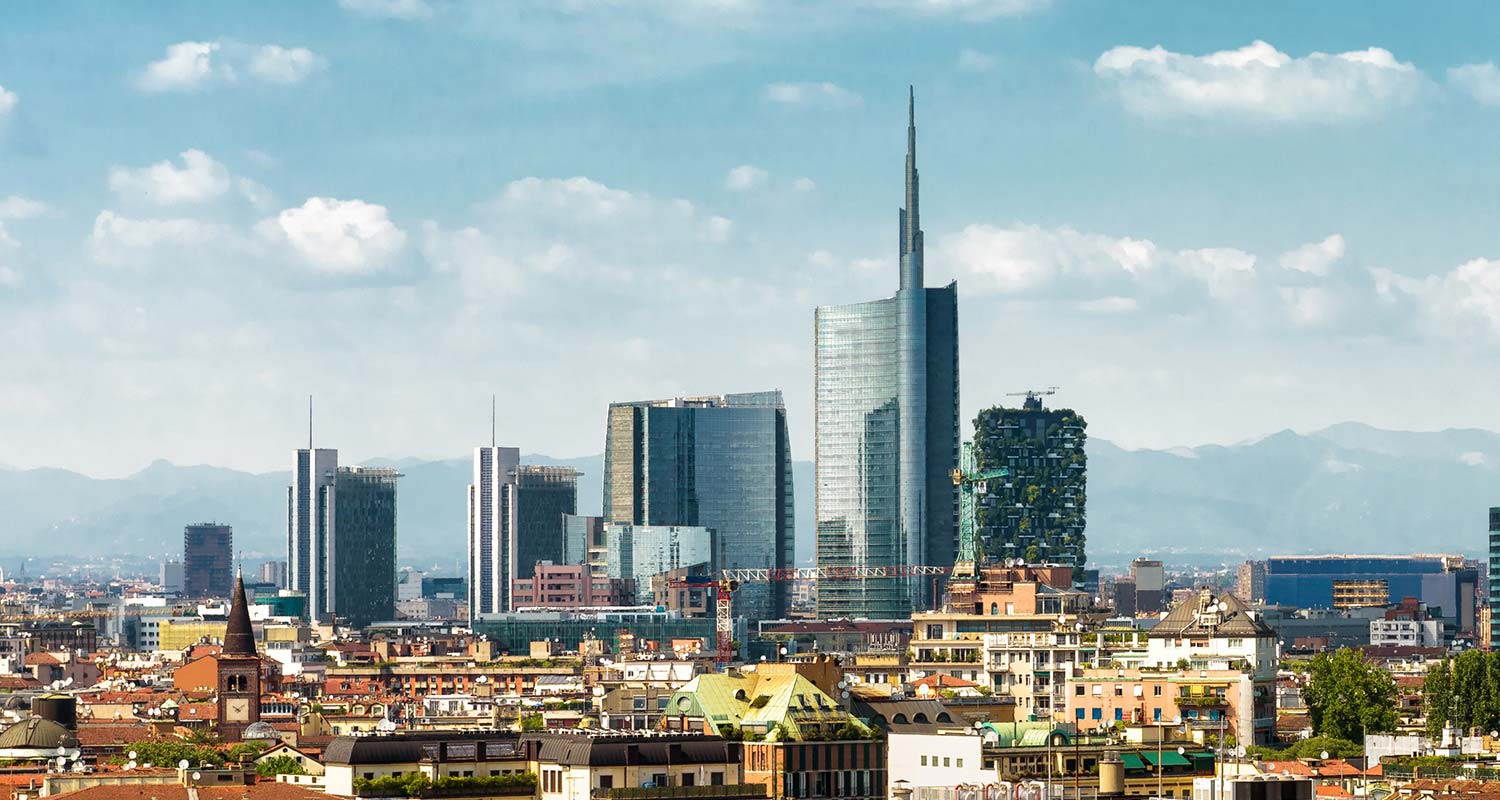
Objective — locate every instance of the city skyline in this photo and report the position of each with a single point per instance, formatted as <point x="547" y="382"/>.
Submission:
<point x="1135" y="235"/>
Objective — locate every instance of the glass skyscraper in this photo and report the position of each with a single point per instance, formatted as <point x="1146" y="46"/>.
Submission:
<point x="887" y="431"/>
<point x="363" y="552"/>
<point x="719" y="462"/>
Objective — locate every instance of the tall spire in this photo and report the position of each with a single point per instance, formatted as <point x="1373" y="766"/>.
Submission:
<point x="239" y="637"/>
<point x="911" y="224"/>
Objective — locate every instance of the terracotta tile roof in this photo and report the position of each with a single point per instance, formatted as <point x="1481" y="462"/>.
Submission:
<point x="1333" y="790"/>
<point x="1289" y="768"/>
<point x="103" y="734"/>
<point x="48" y="659"/>
<point x="171" y="791"/>
<point x="1338" y="768"/>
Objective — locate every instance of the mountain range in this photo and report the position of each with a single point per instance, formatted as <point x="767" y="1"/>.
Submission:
<point x="1346" y="488"/>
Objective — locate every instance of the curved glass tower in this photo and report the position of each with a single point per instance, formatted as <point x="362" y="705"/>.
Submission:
<point x="887" y="431"/>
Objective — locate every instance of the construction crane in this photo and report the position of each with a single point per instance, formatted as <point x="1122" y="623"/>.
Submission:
<point x="729" y="581"/>
<point x="970" y="482"/>
<point x="1033" y="397"/>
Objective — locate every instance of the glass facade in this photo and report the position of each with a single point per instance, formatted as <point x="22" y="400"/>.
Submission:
<point x="1494" y="576"/>
<point x="1444" y="583"/>
<point x="637" y="552"/>
<point x="887" y="432"/>
<point x="309" y="511"/>
<point x="489" y="524"/>
<point x="720" y="462"/>
<point x="514" y="633"/>
<point x="207" y="560"/>
<point x="540" y="499"/>
<point x="363" y="555"/>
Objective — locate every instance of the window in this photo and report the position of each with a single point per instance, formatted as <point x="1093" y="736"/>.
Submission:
<point x="689" y="779"/>
<point x="1119" y="714"/>
<point x="606" y="781"/>
<point x="1080" y="690"/>
<point x="1119" y="690"/>
<point x="1156" y="690"/>
<point x="1098" y="713"/>
<point x="924" y="761"/>
<point x="1156" y="715"/>
<point x="960" y="763"/>
<point x="1080" y="713"/>
<point x="715" y="779"/>
<point x="947" y="761"/>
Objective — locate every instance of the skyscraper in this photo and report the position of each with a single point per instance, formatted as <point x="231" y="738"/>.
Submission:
<point x="363" y="554"/>
<point x="887" y="430"/>
<point x="539" y="499"/>
<point x="207" y="560"/>
<point x="721" y="462"/>
<point x="1037" y="512"/>
<point x="309" y="518"/>
<point x="1493" y="574"/>
<point x="489" y="520"/>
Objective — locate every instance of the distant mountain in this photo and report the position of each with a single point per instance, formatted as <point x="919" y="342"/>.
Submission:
<point x="1349" y="487"/>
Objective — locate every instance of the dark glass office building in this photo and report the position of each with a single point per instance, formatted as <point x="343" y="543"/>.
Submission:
<point x="887" y="432"/>
<point x="207" y="560"/>
<point x="539" y="499"/>
<point x="720" y="462"/>
<point x="363" y="556"/>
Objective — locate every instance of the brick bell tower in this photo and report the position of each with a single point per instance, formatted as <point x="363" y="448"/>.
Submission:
<point x="239" y="671"/>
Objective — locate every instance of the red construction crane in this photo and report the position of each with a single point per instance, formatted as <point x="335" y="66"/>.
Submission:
<point x="729" y="581"/>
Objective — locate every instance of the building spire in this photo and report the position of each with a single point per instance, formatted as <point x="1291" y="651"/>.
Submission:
<point x="911" y="225"/>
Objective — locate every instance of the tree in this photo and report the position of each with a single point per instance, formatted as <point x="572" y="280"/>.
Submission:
<point x="1437" y="697"/>
<point x="1348" y="697"/>
<point x="280" y="765"/>
<point x="533" y="722"/>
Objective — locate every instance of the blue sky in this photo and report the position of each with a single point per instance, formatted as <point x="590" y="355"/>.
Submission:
<point x="1205" y="222"/>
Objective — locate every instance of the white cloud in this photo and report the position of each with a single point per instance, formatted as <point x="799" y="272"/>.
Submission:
<point x="389" y="9"/>
<point x="1471" y="458"/>
<point x="1308" y="305"/>
<point x="8" y="101"/>
<point x="1259" y="83"/>
<point x="189" y="66"/>
<point x="562" y="202"/>
<point x="1315" y="258"/>
<point x="276" y="64"/>
<point x="255" y="193"/>
<point x="347" y="237"/>
<point x="118" y="239"/>
<point x="1480" y="80"/>
<point x="975" y="61"/>
<point x="1462" y="303"/>
<point x="18" y="207"/>
<point x="804" y="184"/>
<point x="198" y="180"/>
<point x="816" y="94"/>
<point x="744" y="178"/>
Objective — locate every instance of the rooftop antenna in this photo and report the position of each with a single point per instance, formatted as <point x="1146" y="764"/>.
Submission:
<point x="309" y="423"/>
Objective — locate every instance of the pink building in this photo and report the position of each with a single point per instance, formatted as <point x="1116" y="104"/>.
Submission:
<point x="568" y="586"/>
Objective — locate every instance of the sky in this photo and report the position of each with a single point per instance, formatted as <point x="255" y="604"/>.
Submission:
<point x="1202" y="222"/>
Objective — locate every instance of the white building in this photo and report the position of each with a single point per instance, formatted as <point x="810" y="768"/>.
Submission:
<point x="489" y="563"/>
<point x="1213" y="631"/>
<point x="933" y="754"/>
<point x="310" y="520"/>
<point x="1406" y="632"/>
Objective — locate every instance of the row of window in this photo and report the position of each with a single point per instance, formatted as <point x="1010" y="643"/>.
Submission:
<point x="946" y="760"/>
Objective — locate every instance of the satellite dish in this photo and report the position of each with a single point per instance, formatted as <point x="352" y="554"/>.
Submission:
<point x="183" y="764"/>
<point x="197" y="776"/>
<point x="130" y="765"/>
<point x="132" y="755"/>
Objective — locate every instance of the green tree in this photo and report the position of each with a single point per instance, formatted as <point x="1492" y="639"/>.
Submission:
<point x="167" y="754"/>
<point x="244" y="750"/>
<point x="1316" y="746"/>
<point x="280" y="765"/>
<point x="1348" y="696"/>
<point x="533" y="722"/>
<point x="1437" y="697"/>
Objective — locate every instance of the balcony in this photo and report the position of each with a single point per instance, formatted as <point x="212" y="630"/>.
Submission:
<point x="730" y="791"/>
<point x="1202" y="701"/>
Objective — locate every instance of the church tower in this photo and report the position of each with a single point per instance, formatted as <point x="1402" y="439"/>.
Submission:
<point x="239" y="671"/>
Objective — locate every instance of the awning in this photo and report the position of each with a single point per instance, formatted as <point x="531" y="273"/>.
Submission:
<point x="1169" y="758"/>
<point x="1132" y="762"/>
